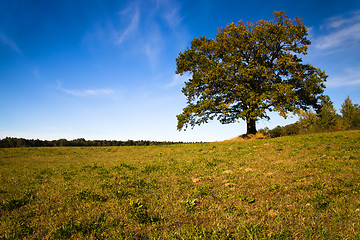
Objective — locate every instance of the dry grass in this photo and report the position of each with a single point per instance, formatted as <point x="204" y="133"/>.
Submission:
<point x="301" y="187"/>
<point x="247" y="137"/>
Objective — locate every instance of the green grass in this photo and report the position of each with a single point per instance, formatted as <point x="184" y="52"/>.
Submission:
<point x="297" y="187"/>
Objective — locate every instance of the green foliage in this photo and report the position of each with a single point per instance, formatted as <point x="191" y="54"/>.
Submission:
<point x="327" y="117"/>
<point x="321" y="201"/>
<point x="351" y="114"/>
<point x="328" y="120"/>
<point x="189" y="204"/>
<point x="120" y="194"/>
<point x="291" y="129"/>
<point x="274" y="187"/>
<point x="276" y="132"/>
<point x="89" y="195"/>
<point x="20" y="230"/>
<point x="253" y="231"/>
<point x="72" y="228"/>
<point x="139" y="212"/>
<point x="308" y="121"/>
<point x="250" y="199"/>
<point x="148" y="169"/>
<point x="13" y="204"/>
<point x="247" y="71"/>
<point x="126" y="166"/>
<point x="10" y="142"/>
<point x="204" y="191"/>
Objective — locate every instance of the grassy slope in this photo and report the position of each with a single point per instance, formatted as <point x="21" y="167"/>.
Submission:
<point x="303" y="187"/>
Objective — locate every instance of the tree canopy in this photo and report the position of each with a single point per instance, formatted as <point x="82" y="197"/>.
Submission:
<point x="247" y="71"/>
<point x="351" y="114"/>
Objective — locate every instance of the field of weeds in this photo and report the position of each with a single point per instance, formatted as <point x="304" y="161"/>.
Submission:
<point x="297" y="187"/>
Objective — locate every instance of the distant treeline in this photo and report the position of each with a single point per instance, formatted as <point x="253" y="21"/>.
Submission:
<point x="10" y="142"/>
<point x="325" y="120"/>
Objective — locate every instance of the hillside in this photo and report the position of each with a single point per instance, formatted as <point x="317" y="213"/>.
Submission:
<point x="296" y="187"/>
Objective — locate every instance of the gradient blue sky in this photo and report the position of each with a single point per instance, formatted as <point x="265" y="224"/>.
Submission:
<point x="105" y="69"/>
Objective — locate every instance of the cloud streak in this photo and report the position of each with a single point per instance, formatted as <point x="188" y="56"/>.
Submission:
<point x="341" y="32"/>
<point x="4" y="40"/>
<point x="172" y="17"/>
<point x="144" y="27"/>
<point x="133" y="13"/>
<point x="339" y="21"/>
<point x="350" y="78"/>
<point x="347" y="35"/>
<point x="170" y="13"/>
<point x="86" y="92"/>
<point x="89" y="92"/>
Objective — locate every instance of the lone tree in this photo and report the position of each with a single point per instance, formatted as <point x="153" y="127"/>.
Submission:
<point x="247" y="71"/>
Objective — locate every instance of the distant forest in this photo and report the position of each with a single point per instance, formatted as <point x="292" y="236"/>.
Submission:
<point x="324" y="120"/>
<point x="10" y="142"/>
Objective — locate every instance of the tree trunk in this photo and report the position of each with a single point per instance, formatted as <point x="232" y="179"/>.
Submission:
<point x="251" y="127"/>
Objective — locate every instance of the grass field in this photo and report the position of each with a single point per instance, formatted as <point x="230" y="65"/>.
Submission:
<point x="297" y="187"/>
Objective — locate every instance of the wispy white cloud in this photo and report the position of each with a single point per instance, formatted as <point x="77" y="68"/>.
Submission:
<point x="351" y="77"/>
<point x="173" y="17"/>
<point x="339" y="21"/>
<point x="86" y="92"/>
<point x="4" y="40"/>
<point x="152" y="52"/>
<point x="143" y="27"/>
<point x="163" y="22"/>
<point x="89" y="92"/>
<point x="344" y="36"/>
<point x="341" y="31"/>
<point x="170" y="12"/>
<point x="132" y="12"/>
<point x="153" y="46"/>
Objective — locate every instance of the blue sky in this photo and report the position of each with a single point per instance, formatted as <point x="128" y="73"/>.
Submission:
<point x="105" y="69"/>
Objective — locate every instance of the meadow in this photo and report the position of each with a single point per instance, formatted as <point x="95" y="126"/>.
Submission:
<point x="294" y="187"/>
